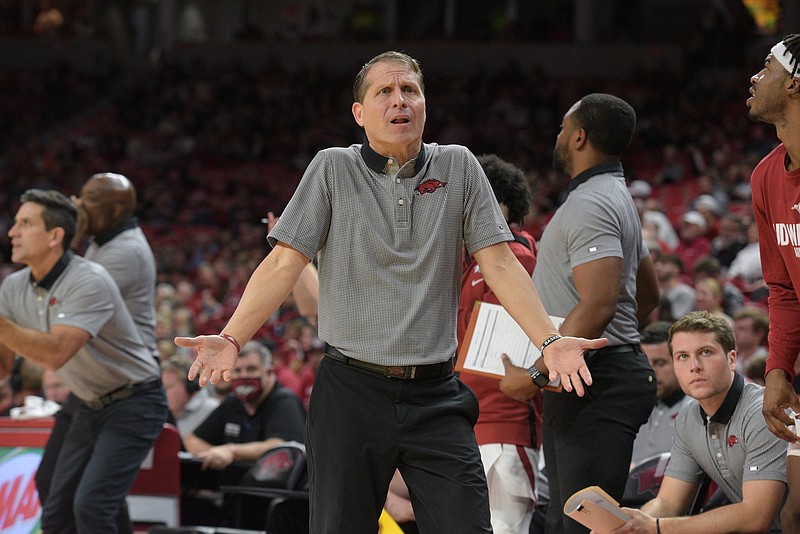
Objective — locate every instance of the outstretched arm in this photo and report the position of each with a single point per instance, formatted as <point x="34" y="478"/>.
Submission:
<point x="515" y="290"/>
<point x="267" y="289"/>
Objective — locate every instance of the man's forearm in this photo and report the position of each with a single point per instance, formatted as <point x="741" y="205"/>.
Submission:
<point x="266" y="290"/>
<point x="195" y="445"/>
<point x="255" y="449"/>
<point x="45" y="348"/>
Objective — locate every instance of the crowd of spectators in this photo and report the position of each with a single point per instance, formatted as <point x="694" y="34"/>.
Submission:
<point x="212" y="150"/>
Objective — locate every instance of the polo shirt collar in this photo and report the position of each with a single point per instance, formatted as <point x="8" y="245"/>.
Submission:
<point x="725" y="412"/>
<point x="50" y="278"/>
<point x="377" y="162"/>
<point x="674" y="398"/>
<point x="603" y="168"/>
<point x="111" y="233"/>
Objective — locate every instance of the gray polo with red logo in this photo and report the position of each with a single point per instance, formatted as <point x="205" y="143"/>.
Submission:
<point x="732" y="446"/>
<point x="80" y="293"/>
<point x="390" y="247"/>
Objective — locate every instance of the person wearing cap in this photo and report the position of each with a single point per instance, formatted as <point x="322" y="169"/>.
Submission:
<point x="775" y="183"/>
<point x="694" y="243"/>
<point x="709" y="208"/>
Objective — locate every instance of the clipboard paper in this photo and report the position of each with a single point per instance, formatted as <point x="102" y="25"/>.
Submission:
<point x="492" y="332"/>
<point x="595" y="509"/>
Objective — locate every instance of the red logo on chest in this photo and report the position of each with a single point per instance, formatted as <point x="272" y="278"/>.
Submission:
<point x="732" y="440"/>
<point x="429" y="186"/>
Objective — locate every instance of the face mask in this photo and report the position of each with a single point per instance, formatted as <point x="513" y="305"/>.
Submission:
<point x="246" y="389"/>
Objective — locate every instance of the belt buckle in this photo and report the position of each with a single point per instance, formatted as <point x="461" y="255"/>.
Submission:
<point x="400" y="371"/>
<point x="95" y="405"/>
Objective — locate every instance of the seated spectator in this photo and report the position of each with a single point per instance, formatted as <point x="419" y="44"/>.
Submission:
<point x="677" y="296"/>
<point x="709" y="207"/>
<point x="655" y="436"/>
<point x="747" y="263"/>
<point x="722" y="436"/>
<point x="694" y="243"/>
<point x="750" y="330"/>
<point x="260" y="414"/>
<point x="732" y="297"/>
<point x="53" y="388"/>
<point x="708" y="297"/>
<point x="730" y="239"/>
<point x="188" y="404"/>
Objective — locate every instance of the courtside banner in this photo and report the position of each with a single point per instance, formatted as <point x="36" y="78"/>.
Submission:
<point x="19" y="501"/>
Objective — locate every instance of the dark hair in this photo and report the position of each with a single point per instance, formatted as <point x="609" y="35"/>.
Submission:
<point x="59" y="211"/>
<point x="609" y="122"/>
<point x="792" y="44"/>
<point x="509" y="184"/>
<point x="655" y="333"/>
<point x="704" y="322"/>
<point x="708" y="265"/>
<point x="674" y="260"/>
<point x="360" y="83"/>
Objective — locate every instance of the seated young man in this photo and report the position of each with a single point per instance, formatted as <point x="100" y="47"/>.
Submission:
<point x="722" y="435"/>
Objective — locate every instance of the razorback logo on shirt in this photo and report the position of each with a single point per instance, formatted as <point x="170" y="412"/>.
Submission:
<point x="429" y="186"/>
<point x="732" y="440"/>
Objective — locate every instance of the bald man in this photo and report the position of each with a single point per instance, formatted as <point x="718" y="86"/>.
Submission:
<point x="106" y="216"/>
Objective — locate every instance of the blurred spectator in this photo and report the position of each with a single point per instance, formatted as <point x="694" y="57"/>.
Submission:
<point x="709" y="207"/>
<point x="188" y="404"/>
<point x="732" y="297"/>
<point x="678" y="297"/>
<point x="708" y="297"/>
<point x="729" y="240"/>
<point x="53" y="388"/>
<point x="747" y="263"/>
<point x="750" y="330"/>
<point x="693" y="241"/>
<point x="49" y="19"/>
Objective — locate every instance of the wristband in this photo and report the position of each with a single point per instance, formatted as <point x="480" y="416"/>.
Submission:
<point x="548" y="341"/>
<point x="232" y="340"/>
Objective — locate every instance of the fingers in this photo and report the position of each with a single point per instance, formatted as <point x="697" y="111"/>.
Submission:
<point x="194" y="370"/>
<point x="187" y="341"/>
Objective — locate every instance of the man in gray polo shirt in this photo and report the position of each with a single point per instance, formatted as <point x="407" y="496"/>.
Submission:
<point x="389" y="219"/>
<point x="67" y="314"/>
<point x="105" y="214"/>
<point x="722" y="435"/>
<point x="594" y="271"/>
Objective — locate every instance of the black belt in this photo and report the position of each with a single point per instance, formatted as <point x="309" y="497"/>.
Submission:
<point x="123" y="392"/>
<point x="404" y="372"/>
<point x="616" y="349"/>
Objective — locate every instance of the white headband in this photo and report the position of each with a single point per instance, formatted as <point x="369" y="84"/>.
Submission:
<point x="784" y="57"/>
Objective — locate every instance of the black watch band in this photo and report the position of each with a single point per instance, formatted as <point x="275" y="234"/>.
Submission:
<point x="538" y="378"/>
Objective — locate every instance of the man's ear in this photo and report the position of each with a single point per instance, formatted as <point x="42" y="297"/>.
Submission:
<point x="793" y="88"/>
<point x="57" y="237"/>
<point x="358" y="111"/>
<point x="580" y="138"/>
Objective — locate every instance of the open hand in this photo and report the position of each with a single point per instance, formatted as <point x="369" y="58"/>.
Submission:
<point x="216" y="358"/>
<point x="564" y="360"/>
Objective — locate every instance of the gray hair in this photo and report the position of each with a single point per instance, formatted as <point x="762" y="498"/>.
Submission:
<point x="260" y="349"/>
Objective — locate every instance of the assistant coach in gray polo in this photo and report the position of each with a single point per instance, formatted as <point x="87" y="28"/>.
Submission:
<point x="67" y="314"/>
<point x="389" y="219"/>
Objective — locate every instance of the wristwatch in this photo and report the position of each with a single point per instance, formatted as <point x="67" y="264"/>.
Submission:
<point x="538" y="378"/>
